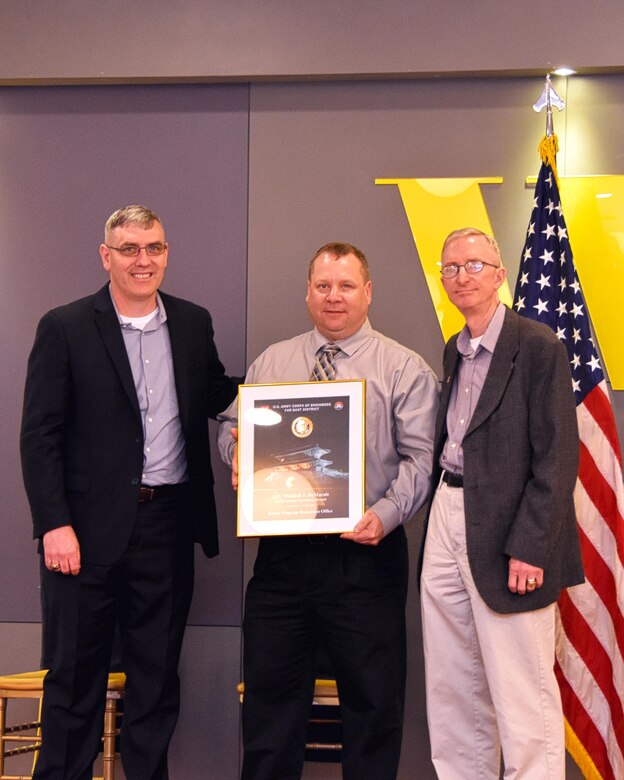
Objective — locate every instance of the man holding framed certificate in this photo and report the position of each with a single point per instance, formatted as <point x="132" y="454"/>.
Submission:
<point x="346" y="590"/>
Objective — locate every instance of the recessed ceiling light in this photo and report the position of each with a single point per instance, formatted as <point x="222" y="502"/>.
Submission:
<point x="564" y="72"/>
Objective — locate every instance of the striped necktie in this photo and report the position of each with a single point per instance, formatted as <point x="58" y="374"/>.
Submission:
<point x="324" y="368"/>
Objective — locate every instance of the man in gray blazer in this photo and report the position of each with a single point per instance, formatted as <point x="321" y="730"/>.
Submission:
<point x="500" y="541"/>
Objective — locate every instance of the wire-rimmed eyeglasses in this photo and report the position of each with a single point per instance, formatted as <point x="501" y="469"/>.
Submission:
<point x="134" y="250"/>
<point x="471" y="267"/>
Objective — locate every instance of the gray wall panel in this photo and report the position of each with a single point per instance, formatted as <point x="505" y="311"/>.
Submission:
<point x="19" y="647"/>
<point x="205" y="745"/>
<point x="71" y="156"/>
<point x="317" y="183"/>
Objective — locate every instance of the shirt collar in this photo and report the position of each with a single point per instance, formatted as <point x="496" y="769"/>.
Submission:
<point x="349" y="345"/>
<point x="490" y="337"/>
<point x="161" y="314"/>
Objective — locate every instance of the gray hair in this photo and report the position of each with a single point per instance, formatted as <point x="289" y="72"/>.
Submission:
<point x="470" y="231"/>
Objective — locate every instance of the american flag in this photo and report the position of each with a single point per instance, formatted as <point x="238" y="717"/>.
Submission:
<point x="590" y="631"/>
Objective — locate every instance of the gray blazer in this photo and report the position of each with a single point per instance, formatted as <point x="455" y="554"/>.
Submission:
<point x="521" y="455"/>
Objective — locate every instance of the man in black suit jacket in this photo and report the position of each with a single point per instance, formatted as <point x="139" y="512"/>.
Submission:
<point x="116" y="464"/>
<point x="500" y="542"/>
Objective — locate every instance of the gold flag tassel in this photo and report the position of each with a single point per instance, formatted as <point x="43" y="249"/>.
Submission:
<point x="548" y="148"/>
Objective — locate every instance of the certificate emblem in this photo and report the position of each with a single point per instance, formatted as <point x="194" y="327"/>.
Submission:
<point x="302" y="427"/>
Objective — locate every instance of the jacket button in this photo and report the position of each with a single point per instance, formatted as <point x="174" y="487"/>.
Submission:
<point x="135" y="481"/>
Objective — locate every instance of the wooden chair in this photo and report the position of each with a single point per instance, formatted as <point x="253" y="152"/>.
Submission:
<point x="27" y="736"/>
<point x="324" y="721"/>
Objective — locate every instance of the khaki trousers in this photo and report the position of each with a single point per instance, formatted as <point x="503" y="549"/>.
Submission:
<point x="489" y="677"/>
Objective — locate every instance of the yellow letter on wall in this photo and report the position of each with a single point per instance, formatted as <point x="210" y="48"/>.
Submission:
<point x="434" y="208"/>
<point x="593" y="207"/>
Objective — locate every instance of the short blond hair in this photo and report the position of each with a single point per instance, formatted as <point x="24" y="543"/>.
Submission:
<point x="131" y="215"/>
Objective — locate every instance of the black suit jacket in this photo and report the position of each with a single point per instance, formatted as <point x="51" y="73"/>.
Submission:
<point x="82" y="436"/>
<point x="521" y="455"/>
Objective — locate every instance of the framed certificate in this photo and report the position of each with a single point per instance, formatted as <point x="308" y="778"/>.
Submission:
<point x="301" y="449"/>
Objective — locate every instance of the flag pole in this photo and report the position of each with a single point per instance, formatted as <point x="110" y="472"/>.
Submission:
<point x="548" y="99"/>
<point x="549" y="145"/>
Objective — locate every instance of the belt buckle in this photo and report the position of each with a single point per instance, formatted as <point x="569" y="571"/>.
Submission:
<point x="146" y="494"/>
<point x="452" y="479"/>
<point x="317" y="538"/>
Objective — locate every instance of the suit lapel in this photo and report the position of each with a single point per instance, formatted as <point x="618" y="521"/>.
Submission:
<point x="180" y="342"/>
<point x="500" y="371"/>
<point x="450" y="363"/>
<point x="108" y="325"/>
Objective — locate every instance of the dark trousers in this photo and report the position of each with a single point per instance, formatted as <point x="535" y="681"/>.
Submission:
<point x="351" y="598"/>
<point x="149" y="593"/>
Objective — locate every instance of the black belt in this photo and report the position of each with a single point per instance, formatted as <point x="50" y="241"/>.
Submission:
<point x="151" y="493"/>
<point x="318" y="538"/>
<point x="453" y="480"/>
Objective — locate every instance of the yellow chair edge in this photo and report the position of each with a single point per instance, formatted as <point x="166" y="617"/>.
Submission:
<point x="33" y="681"/>
<point x="321" y="688"/>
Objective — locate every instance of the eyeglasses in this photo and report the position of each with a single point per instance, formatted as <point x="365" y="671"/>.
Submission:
<point x="134" y="250"/>
<point x="471" y="267"/>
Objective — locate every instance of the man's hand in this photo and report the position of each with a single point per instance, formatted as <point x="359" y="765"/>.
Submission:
<point x="62" y="550"/>
<point x="234" y="433"/>
<point x="369" y="530"/>
<point x="524" y="578"/>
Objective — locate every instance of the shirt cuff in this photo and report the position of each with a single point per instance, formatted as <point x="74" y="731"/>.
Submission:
<point x="389" y="515"/>
<point x="225" y="442"/>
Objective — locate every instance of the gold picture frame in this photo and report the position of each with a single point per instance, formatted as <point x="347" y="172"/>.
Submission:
<point x="301" y="457"/>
